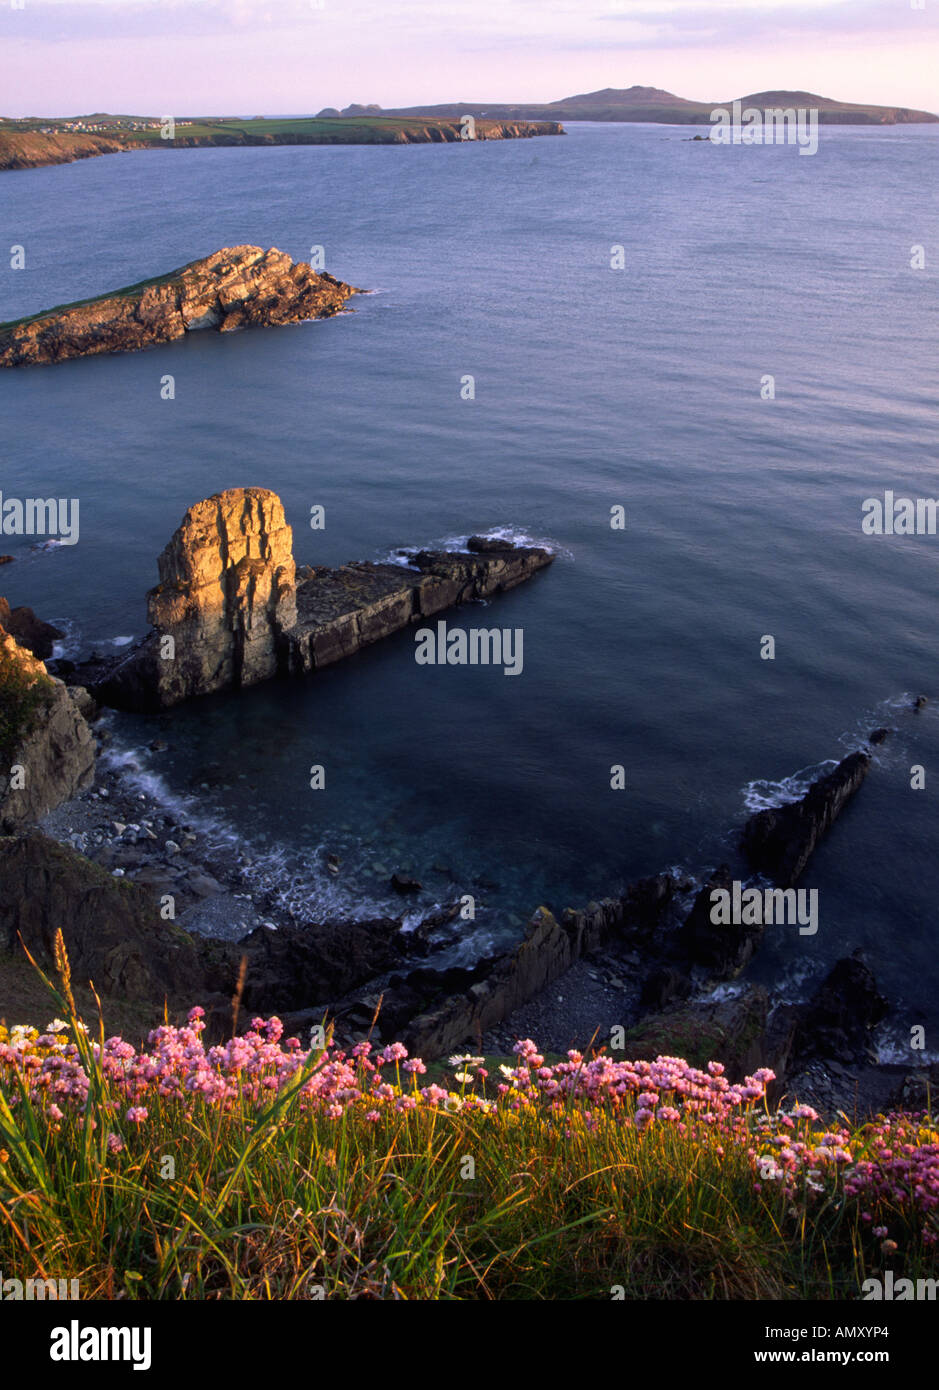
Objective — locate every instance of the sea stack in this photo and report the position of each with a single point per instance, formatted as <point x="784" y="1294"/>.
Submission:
<point x="226" y="596"/>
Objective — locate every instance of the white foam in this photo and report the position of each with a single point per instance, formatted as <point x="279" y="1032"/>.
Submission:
<point x="764" y="795"/>
<point x="514" y="535"/>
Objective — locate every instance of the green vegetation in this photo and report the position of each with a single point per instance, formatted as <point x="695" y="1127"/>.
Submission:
<point x="23" y="693"/>
<point x="252" y="1171"/>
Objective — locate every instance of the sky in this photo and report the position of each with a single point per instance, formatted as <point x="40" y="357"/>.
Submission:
<point x="265" y="57"/>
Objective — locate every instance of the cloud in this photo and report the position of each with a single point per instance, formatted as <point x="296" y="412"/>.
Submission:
<point x="688" y="23"/>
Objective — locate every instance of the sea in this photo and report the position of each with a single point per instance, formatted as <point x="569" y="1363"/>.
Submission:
<point x="682" y="367"/>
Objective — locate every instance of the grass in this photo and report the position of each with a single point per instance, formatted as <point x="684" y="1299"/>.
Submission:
<point x="274" y="1201"/>
<point x="22" y="695"/>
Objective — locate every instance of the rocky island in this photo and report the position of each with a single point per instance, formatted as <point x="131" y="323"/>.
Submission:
<point x="236" y="287"/>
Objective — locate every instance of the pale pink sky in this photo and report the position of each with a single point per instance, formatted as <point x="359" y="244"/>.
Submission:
<point x="247" y="57"/>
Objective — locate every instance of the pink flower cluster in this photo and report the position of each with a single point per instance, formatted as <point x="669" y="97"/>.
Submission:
<point x="667" y="1089"/>
<point x="890" y="1166"/>
<point x="900" y="1171"/>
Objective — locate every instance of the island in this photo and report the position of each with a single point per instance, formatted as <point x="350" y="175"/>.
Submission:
<point x="236" y="287"/>
<point x="652" y="104"/>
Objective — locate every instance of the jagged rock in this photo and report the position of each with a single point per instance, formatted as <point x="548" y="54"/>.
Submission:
<point x="918" y="1091"/>
<point x="493" y="988"/>
<point x="836" y="1022"/>
<point x="31" y="632"/>
<point x="226" y="596"/>
<point x="236" y="287"/>
<point x="403" y="883"/>
<point x="780" y="841"/>
<point x="664" y="987"/>
<point x="722" y="949"/>
<point x="47" y="752"/>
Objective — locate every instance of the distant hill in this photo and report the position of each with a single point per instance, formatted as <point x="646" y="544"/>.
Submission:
<point x="665" y="108"/>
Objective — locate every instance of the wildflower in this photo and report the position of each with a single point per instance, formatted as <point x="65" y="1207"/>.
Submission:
<point x="115" y="1143"/>
<point x="137" y="1114"/>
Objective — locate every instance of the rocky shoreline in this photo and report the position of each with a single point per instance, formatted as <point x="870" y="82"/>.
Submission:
<point x="156" y="905"/>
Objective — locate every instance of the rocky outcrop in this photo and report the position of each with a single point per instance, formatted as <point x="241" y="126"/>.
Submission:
<point x="237" y="612"/>
<point x="226" y="598"/>
<point x="721" y="950"/>
<point x="837" y="1020"/>
<point x="471" y="1002"/>
<point x="339" y="611"/>
<point x="779" y="842"/>
<point x="731" y="1030"/>
<point x="237" y="287"/>
<point x="112" y="928"/>
<point x="30" y="632"/>
<point x="47" y="751"/>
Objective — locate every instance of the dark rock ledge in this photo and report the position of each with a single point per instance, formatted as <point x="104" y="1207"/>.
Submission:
<point x="238" y="611"/>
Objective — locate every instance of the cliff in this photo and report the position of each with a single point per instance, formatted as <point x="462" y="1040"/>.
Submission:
<point x="28" y="148"/>
<point x="46" y="748"/>
<point x="237" y="287"/>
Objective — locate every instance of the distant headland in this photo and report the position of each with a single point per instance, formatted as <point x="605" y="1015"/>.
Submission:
<point x="655" y="105"/>
<point x="31" y="142"/>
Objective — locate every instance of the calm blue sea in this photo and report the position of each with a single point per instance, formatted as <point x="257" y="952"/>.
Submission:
<point x="595" y="387"/>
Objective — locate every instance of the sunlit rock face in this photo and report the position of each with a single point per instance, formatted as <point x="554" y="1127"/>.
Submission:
<point x="226" y="596"/>
<point x="237" y="287"/>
